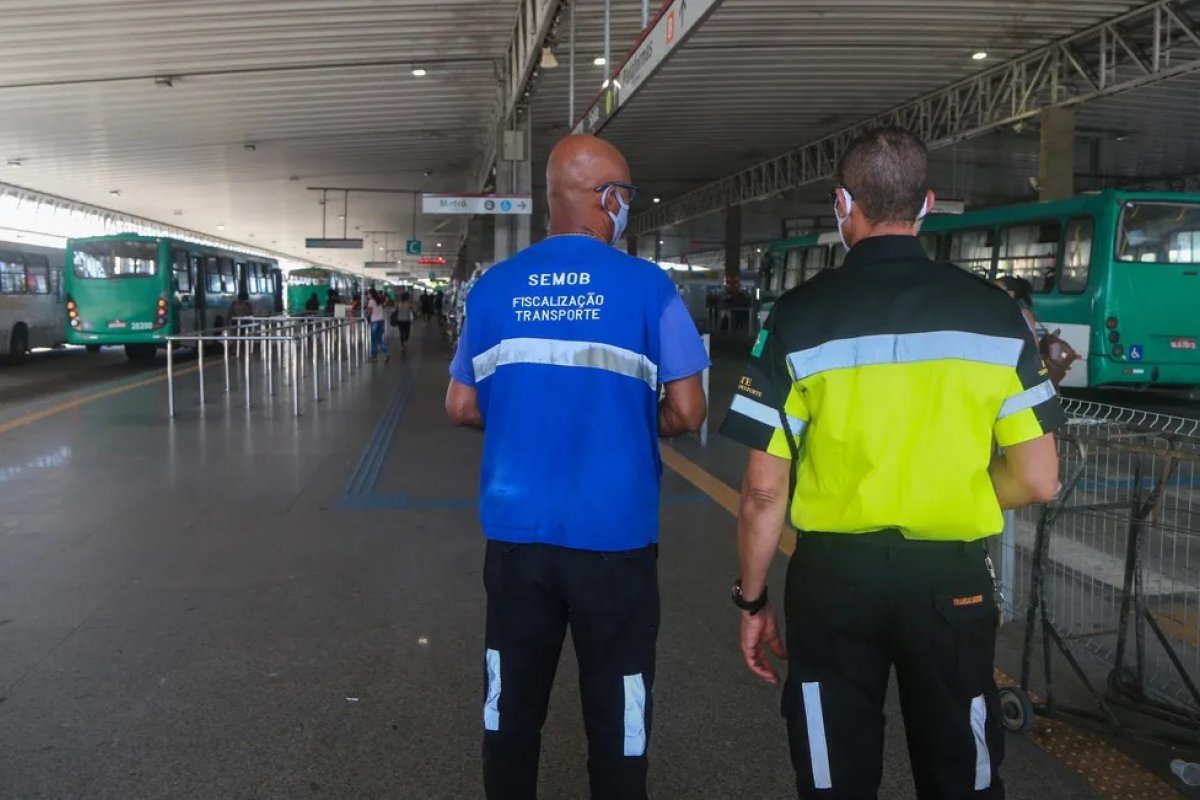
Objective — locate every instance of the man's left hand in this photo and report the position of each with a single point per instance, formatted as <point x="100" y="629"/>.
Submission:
<point x="760" y="632"/>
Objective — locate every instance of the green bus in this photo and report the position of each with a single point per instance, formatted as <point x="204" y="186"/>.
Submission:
<point x="304" y="284"/>
<point x="135" y="291"/>
<point x="1117" y="273"/>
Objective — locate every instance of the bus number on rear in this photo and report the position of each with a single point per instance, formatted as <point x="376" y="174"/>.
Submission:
<point x="1183" y="344"/>
<point x="142" y="326"/>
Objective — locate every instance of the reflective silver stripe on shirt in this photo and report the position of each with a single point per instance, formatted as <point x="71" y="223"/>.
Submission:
<point x="761" y="412"/>
<point x="1027" y="399"/>
<point x="905" y="348"/>
<point x="559" y="353"/>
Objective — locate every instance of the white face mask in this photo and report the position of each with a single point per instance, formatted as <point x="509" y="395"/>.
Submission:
<point x="621" y="218"/>
<point x="849" y="201"/>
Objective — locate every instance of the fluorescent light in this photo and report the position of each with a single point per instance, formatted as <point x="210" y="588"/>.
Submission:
<point x="419" y="72"/>
<point x="599" y="61"/>
<point x="979" y="55"/>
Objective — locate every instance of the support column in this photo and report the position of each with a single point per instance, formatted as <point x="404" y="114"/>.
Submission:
<point x="733" y="242"/>
<point x="631" y="244"/>
<point x="514" y="175"/>
<point x="1056" y="163"/>
<point x="657" y="247"/>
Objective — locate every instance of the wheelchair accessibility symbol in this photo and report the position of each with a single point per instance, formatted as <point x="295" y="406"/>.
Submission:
<point x="506" y="206"/>
<point x="1136" y="351"/>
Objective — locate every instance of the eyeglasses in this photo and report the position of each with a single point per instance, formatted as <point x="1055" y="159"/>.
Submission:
<point x="629" y="188"/>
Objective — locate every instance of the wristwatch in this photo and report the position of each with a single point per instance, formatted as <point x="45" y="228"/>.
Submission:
<point x="752" y="607"/>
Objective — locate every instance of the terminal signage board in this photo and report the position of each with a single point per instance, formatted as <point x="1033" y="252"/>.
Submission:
<point x="503" y="205"/>
<point x="678" y="20"/>
<point x="333" y="244"/>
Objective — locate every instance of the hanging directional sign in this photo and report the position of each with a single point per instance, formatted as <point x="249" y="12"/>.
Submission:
<point x="674" y="24"/>
<point x="507" y="204"/>
<point x="333" y="244"/>
<point x="412" y="247"/>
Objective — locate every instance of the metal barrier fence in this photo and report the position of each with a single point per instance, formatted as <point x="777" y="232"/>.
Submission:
<point x="1112" y="566"/>
<point x="296" y="347"/>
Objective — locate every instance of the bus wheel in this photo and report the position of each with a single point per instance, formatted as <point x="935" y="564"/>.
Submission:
<point x="141" y="353"/>
<point x="18" y="348"/>
<point x="93" y="348"/>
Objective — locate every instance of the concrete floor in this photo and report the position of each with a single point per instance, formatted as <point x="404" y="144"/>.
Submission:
<point x="250" y="605"/>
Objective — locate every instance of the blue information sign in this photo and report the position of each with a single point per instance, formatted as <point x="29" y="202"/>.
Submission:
<point x="1136" y="351"/>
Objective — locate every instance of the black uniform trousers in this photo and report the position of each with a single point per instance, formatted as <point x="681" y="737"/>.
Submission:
<point x="610" y="601"/>
<point x="856" y="606"/>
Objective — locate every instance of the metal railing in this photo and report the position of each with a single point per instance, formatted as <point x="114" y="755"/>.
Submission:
<point x="1112" y="566"/>
<point x="295" y="347"/>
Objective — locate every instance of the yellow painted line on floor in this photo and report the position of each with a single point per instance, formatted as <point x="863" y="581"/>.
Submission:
<point x="1180" y="622"/>
<point x="1111" y="773"/>
<point x="50" y="411"/>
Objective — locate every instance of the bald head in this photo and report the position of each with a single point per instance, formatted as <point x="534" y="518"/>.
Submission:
<point x="578" y="165"/>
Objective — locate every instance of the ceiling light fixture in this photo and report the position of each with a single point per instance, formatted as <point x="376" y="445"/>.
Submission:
<point x="439" y="244"/>
<point x="419" y="72"/>
<point x="165" y="81"/>
<point x="249" y="147"/>
<point x="658" y="199"/>
<point x="220" y="227"/>
<point x="15" y="162"/>
<point x="549" y="60"/>
<point x="979" y="55"/>
<point x="599" y="61"/>
<point x="115" y="193"/>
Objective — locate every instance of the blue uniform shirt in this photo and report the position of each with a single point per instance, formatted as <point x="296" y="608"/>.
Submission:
<point x="567" y="344"/>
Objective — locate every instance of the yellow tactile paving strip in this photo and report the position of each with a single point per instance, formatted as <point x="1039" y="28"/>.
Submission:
<point x="1111" y="773"/>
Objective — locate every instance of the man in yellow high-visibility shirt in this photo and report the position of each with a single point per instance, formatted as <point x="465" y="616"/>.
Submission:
<point x="873" y="402"/>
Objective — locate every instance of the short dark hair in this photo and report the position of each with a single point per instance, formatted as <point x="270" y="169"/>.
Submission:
<point x="885" y="172"/>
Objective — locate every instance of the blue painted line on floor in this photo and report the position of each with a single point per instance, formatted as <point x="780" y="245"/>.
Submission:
<point x="370" y="464"/>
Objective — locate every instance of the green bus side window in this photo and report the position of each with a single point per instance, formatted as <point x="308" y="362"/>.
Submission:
<point x="1031" y="252"/>
<point x="973" y="251"/>
<point x="1077" y="256"/>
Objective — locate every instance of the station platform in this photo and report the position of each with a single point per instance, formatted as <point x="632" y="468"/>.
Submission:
<point x="247" y="604"/>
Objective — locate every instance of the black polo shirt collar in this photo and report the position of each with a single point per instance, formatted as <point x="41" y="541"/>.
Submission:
<point x="886" y="248"/>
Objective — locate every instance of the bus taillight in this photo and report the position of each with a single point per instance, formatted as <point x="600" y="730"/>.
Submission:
<point x="160" y="318"/>
<point x="1111" y="323"/>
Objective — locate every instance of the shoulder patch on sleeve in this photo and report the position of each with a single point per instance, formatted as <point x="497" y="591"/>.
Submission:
<point x="759" y="343"/>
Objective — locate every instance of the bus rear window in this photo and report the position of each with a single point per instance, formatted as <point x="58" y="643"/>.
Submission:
<point x="116" y="259"/>
<point x="1159" y="233"/>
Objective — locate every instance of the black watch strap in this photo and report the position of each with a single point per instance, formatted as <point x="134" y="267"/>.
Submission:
<point x="751" y="607"/>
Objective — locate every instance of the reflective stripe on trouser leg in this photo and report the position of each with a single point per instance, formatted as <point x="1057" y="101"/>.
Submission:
<point x="983" y="759"/>
<point x="491" y="706"/>
<point x="635" y="715"/>
<point x="818" y="749"/>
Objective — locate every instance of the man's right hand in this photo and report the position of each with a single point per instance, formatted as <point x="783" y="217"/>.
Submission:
<point x="760" y="632"/>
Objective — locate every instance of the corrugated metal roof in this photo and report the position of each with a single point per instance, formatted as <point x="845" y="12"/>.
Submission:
<point x="760" y="77"/>
<point x="323" y="89"/>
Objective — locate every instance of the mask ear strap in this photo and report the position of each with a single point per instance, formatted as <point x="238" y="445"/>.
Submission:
<point x="848" y="200"/>
<point x="924" y="208"/>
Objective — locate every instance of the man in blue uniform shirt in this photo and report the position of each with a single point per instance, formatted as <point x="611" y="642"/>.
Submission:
<point x="560" y="363"/>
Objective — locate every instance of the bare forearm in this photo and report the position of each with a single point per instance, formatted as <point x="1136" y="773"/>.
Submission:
<point x="1011" y="491"/>
<point x="760" y="526"/>
<point x="670" y="422"/>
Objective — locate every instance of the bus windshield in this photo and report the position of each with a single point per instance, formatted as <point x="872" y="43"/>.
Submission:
<point x="1159" y="233"/>
<point x="116" y="259"/>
